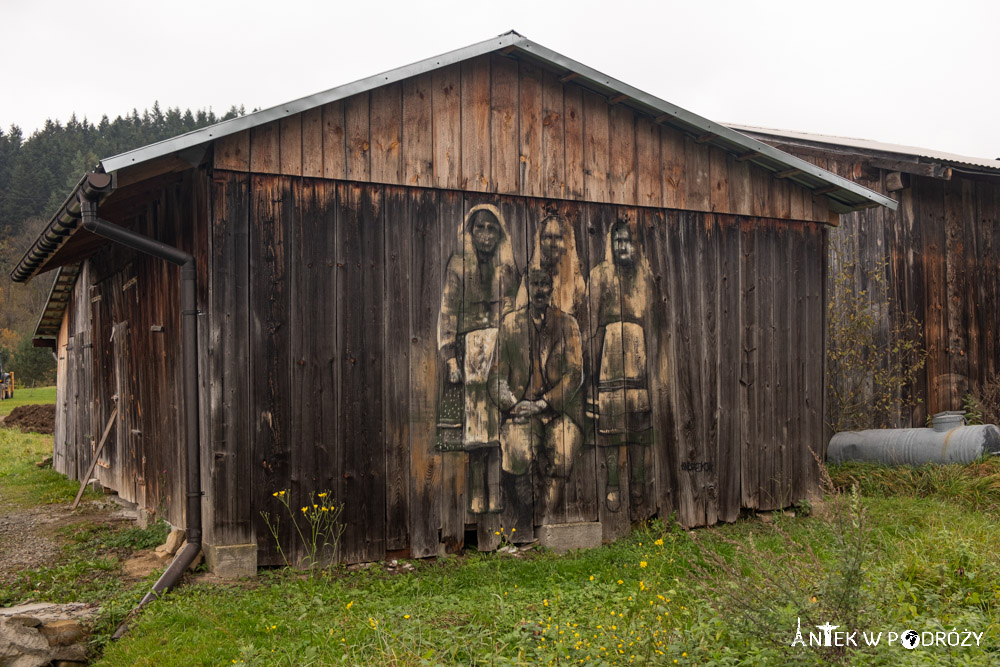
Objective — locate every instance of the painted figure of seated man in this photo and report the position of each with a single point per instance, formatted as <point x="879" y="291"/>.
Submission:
<point x="538" y="377"/>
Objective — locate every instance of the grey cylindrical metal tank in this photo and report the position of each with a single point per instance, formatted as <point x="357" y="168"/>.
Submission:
<point x="949" y="441"/>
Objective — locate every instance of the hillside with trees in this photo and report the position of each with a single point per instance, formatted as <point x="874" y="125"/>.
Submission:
<point x="36" y="174"/>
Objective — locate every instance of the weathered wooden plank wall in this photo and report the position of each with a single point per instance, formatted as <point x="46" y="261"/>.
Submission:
<point x="123" y="343"/>
<point x="940" y="255"/>
<point x="500" y="125"/>
<point x="344" y="286"/>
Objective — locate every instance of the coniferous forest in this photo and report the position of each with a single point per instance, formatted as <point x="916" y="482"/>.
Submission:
<point x="36" y="174"/>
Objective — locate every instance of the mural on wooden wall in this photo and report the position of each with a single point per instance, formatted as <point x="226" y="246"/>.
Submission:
<point x="480" y="284"/>
<point x="619" y="294"/>
<point x="517" y="350"/>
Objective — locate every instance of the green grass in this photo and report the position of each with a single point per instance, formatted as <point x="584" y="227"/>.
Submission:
<point x="36" y="395"/>
<point x="724" y="596"/>
<point x="913" y="549"/>
<point x="22" y="484"/>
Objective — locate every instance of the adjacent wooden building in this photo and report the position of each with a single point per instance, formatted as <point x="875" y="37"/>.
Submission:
<point x="939" y="252"/>
<point x="491" y="289"/>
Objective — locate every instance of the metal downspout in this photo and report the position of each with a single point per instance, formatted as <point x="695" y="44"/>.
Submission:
<point x="189" y="347"/>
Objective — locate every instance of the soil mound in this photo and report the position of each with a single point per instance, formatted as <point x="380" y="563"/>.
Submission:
<point x="36" y="418"/>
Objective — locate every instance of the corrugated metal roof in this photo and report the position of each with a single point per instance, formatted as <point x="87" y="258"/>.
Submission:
<point x="876" y="146"/>
<point x="846" y="196"/>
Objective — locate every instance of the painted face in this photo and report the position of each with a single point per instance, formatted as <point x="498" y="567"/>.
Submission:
<point x="539" y="289"/>
<point x="622" y="248"/>
<point x="485" y="232"/>
<point x="553" y="246"/>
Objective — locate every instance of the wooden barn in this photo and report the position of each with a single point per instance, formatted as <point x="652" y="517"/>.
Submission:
<point x="941" y="255"/>
<point x="492" y="289"/>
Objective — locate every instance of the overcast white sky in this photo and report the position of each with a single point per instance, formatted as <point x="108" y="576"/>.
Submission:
<point x="920" y="72"/>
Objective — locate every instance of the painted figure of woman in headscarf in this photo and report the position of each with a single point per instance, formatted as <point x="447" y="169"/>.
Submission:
<point x="619" y="295"/>
<point x="554" y="251"/>
<point x="481" y="282"/>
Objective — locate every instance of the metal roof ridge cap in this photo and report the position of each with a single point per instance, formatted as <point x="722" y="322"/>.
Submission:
<point x="279" y="111"/>
<point x="709" y="126"/>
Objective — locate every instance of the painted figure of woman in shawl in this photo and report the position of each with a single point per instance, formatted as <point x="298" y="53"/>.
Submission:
<point x="619" y="295"/>
<point x="481" y="282"/>
<point x="554" y="251"/>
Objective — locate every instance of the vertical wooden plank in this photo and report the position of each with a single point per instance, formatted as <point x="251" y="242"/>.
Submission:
<point x="396" y="368"/>
<point x="768" y="354"/>
<point x="446" y="105"/>
<point x="264" y="143"/>
<point x="530" y="130"/>
<point x="674" y="170"/>
<point x="361" y="317"/>
<point x="228" y="469"/>
<point x="596" y="148"/>
<point x="426" y="278"/>
<point x="454" y="464"/>
<point x="623" y="155"/>
<point x="728" y="448"/>
<point x="719" y="180"/>
<point x="787" y="436"/>
<point x="358" y="137"/>
<point x="749" y="367"/>
<point x="697" y="181"/>
<point x="686" y="262"/>
<point x="334" y="141"/>
<point x="781" y="203"/>
<point x="553" y="137"/>
<point x="232" y="152"/>
<point x="386" y="130"/>
<point x="314" y="398"/>
<point x="476" y="154"/>
<point x="957" y="296"/>
<point x="796" y="201"/>
<point x="505" y="165"/>
<point x="740" y="189"/>
<point x="659" y="225"/>
<point x="418" y="141"/>
<point x="760" y="191"/>
<point x="312" y="143"/>
<point x="573" y="141"/>
<point x="930" y="213"/>
<point x="649" y="184"/>
<point x="269" y="358"/>
<point x="290" y="145"/>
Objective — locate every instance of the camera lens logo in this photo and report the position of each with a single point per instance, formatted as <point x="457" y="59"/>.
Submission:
<point x="910" y="639"/>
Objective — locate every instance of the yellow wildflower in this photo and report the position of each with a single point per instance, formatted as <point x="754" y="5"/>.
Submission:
<point x="620" y="582"/>
<point x="275" y="494"/>
<point x="659" y="542"/>
<point x="643" y="563"/>
<point x="304" y="510"/>
<point x="591" y="577"/>
<point x="406" y="615"/>
<point x="322" y="495"/>
<point x="350" y="604"/>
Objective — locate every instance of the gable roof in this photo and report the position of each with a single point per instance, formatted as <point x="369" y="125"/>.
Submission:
<point x="843" y="195"/>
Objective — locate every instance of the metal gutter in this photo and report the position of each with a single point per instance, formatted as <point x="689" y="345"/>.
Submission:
<point x="62" y="226"/>
<point x="189" y="350"/>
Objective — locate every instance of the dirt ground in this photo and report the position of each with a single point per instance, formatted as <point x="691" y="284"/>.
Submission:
<point x="36" y="418"/>
<point x="31" y="538"/>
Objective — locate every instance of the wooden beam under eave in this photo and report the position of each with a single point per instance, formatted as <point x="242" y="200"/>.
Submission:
<point x="787" y="172"/>
<point x="705" y="138"/>
<point x="748" y="156"/>
<point x="569" y="77"/>
<point x="617" y="99"/>
<point x="825" y="190"/>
